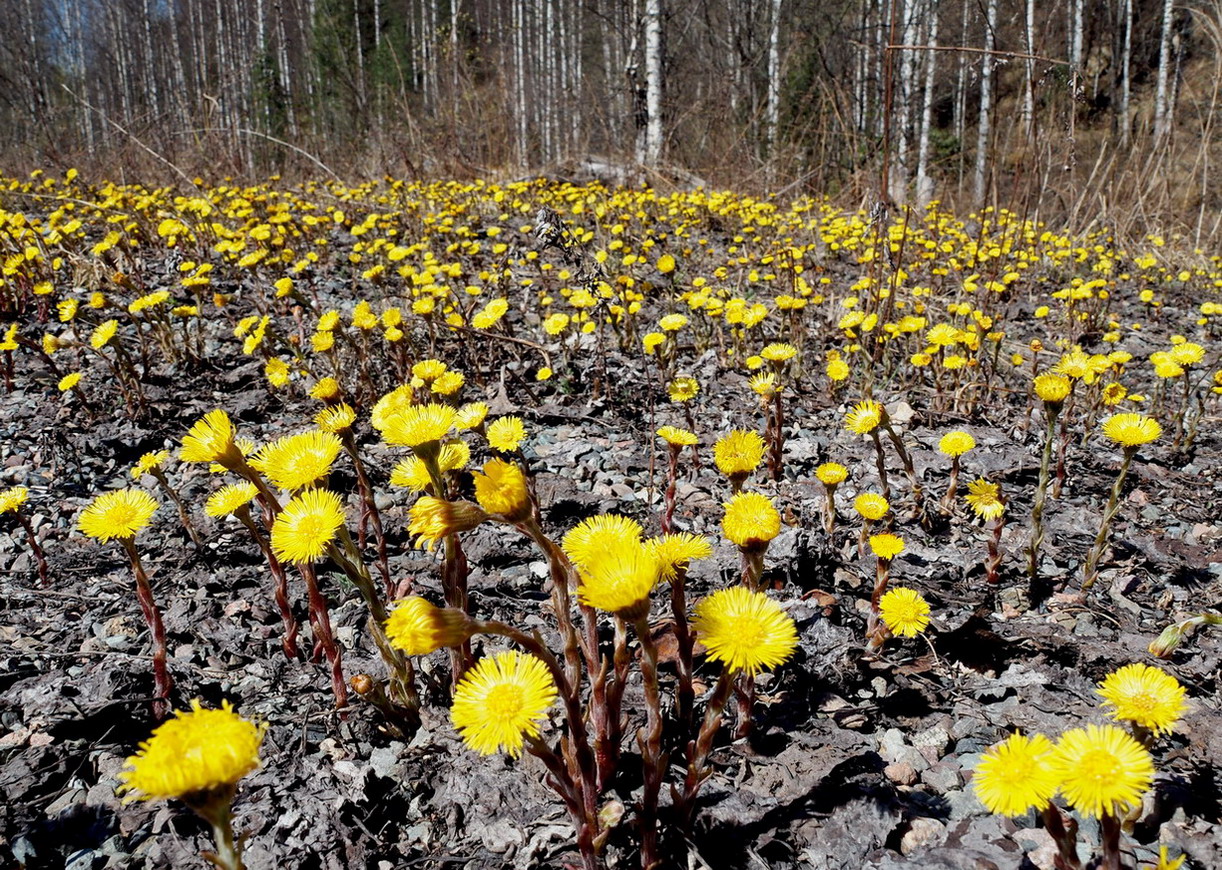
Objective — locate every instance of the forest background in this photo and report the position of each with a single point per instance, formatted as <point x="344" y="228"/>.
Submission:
<point x="1078" y="112"/>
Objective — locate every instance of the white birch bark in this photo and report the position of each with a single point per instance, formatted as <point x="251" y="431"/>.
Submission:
<point x="1028" y="109"/>
<point x="984" y="128"/>
<point x="924" y="191"/>
<point x="774" y="80"/>
<point x="653" y="82"/>
<point x="1126" y="70"/>
<point x="1161" y="114"/>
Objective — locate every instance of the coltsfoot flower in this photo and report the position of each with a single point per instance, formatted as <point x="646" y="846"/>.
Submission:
<point x="831" y="473"/>
<point x="12" y="499"/>
<point x="433" y="519"/>
<point x="502" y="698"/>
<point x="865" y="417"/>
<point x="677" y="437"/>
<point x="745" y="630"/>
<point x="148" y="462"/>
<point x="419" y="425"/>
<point x="1051" y="387"/>
<point x="738" y="452"/>
<point x="679" y="549"/>
<point x="985" y="499"/>
<point x="1101" y="769"/>
<point x="419" y="628"/>
<point x="307" y="525"/>
<point x="871" y="506"/>
<point x="1016" y="775"/>
<point x="413" y="474"/>
<point x="1131" y="430"/>
<point x="620" y="578"/>
<point x="337" y="419"/>
<point x="506" y="433"/>
<point x="1145" y="696"/>
<point x="211" y="439"/>
<point x="683" y="389"/>
<point x="117" y="515"/>
<point x="956" y="443"/>
<point x="230" y="498"/>
<point x="502" y="490"/>
<point x="298" y="461"/>
<point x="586" y="540"/>
<point x="886" y="545"/>
<point x="751" y="520"/>
<point x="904" y="611"/>
<point x="197" y="752"/>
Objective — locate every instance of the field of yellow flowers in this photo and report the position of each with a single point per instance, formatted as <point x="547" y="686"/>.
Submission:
<point x="543" y="525"/>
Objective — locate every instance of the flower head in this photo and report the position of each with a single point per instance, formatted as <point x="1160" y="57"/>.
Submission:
<point x="956" y="443"/>
<point x="336" y="419"/>
<point x="677" y="437"/>
<point x="298" y="461"/>
<point x="390" y="405"/>
<point x="211" y="439"/>
<point x="677" y="550"/>
<point x="230" y="498"/>
<point x="471" y="415"/>
<point x="326" y="390"/>
<point x="307" y="525"/>
<point x="683" y="389"/>
<point x="865" y="417"/>
<point x="418" y="425"/>
<point x="413" y="474"/>
<point x="1131" y="430"/>
<point x="418" y="628"/>
<point x="831" y="473"/>
<point x="196" y="752"/>
<point x="871" y="506"/>
<point x="68" y="381"/>
<point x="1052" y="388"/>
<point x="886" y="545"/>
<point x="985" y="499"/>
<point x="620" y="577"/>
<point x="12" y="499"/>
<point x="149" y="461"/>
<point x="779" y="352"/>
<point x="117" y="515"/>
<point x="590" y="537"/>
<point x="502" y="490"/>
<point x="500" y="699"/>
<point x="1143" y="695"/>
<point x="738" y="452"/>
<point x="904" y="611"/>
<point x="1015" y="775"/>
<point x="103" y="333"/>
<point x="432" y="519"/>
<point x="505" y="434"/>
<point x="751" y="520"/>
<point x="1101" y="769"/>
<point x="745" y="630"/>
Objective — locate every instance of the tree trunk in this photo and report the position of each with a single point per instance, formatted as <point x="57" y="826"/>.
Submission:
<point x="986" y="103"/>
<point x="653" y="82"/>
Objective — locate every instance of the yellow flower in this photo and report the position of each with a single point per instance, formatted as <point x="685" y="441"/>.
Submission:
<point x="586" y="541"/>
<point x="433" y="519"/>
<point x="148" y="462"/>
<point x="619" y="578"/>
<point x="471" y="415"/>
<point x="1188" y="354"/>
<point x="871" y="506"/>
<point x="1166" y="862"/>
<point x="197" y="752"/>
<point x="745" y="630"/>
<point x="12" y="499"/>
<point x="672" y="322"/>
<point x="779" y="352"/>
<point x="683" y="389"/>
<point x="1131" y="430"/>
<point x="229" y="498"/>
<point x="337" y="419"/>
<point x="1015" y="775"/>
<point x="738" y="452"/>
<point x="1145" y="696"/>
<point x="276" y="371"/>
<point x="677" y="550"/>
<point x="956" y="443"/>
<point x="503" y="697"/>
<point x="307" y="525"/>
<point x="886" y="545"/>
<point x="502" y="490"/>
<point x="68" y="381"/>
<point x="322" y="341"/>
<point x="751" y="520"/>
<point x="985" y="499"/>
<point x="1113" y="394"/>
<point x="837" y="370"/>
<point x="764" y="385"/>
<point x="651" y="340"/>
<point x="103" y="333"/>
<point x="448" y="384"/>
<point x="429" y="369"/>
<point x="904" y="611"/>
<point x="505" y="434"/>
<point x="1165" y="365"/>
<point x="1101" y="769"/>
<point x="297" y="461"/>
<point x="393" y="403"/>
<point x="677" y="437"/>
<point x="419" y="425"/>
<point x="413" y="474"/>
<point x="490" y="314"/>
<point x="325" y="390"/>
<point x="117" y="515"/>
<point x="212" y="440"/>
<point x="1052" y="388"/>
<point x="865" y="417"/>
<point x="831" y="473"/>
<point x="418" y="628"/>
<point x="666" y="264"/>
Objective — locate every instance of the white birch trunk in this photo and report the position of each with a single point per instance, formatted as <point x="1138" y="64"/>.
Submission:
<point x="653" y="82"/>
<point x="1162" y="123"/>
<point x="774" y="80"/>
<point x="924" y="191"/>
<point x="1126" y="70"/>
<point x="1028" y="110"/>
<point x="986" y="103"/>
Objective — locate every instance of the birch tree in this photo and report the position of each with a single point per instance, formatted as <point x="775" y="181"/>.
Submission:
<point x="984" y="126"/>
<point x="653" y="83"/>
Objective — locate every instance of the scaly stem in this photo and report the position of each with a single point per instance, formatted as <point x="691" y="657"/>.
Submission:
<point x="1041" y="494"/>
<point x="183" y="514"/>
<point x="698" y="750"/>
<point x="672" y="482"/>
<point x="585" y="824"/>
<point x="39" y="556"/>
<point x="1109" y="835"/>
<point x="152" y="616"/>
<point x="685" y="696"/>
<point x="228" y="854"/>
<point x="1091" y="570"/>
<point x="280" y="584"/>
<point x="320" y="618"/>
<point x="371" y="510"/>
<point x="881" y="462"/>
<point x="1064" y="835"/>
<point x="650" y="741"/>
<point x="876" y="631"/>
